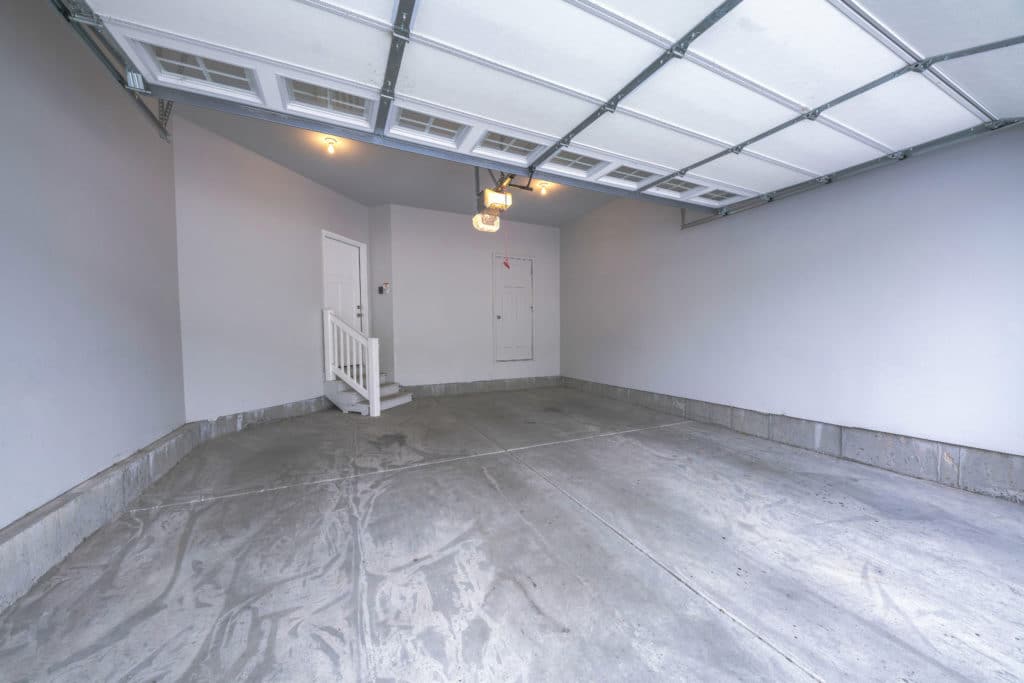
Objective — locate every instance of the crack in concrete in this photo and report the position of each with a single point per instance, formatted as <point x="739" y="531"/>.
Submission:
<point x="691" y="587"/>
<point x="316" y="482"/>
<point x="331" y="480"/>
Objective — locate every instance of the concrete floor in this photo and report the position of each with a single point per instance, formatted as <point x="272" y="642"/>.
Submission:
<point x="533" y="535"/>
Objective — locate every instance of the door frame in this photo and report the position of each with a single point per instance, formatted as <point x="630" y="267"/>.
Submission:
<point x="533" y="309"/>
<point x="363" y="278"/>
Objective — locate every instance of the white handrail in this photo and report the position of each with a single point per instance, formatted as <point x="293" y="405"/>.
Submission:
<point x="351" y="356"/>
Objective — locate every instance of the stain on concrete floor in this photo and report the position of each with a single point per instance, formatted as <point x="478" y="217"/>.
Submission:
<point x="531" y="535"/>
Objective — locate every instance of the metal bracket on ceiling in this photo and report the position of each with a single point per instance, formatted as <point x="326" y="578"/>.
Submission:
<point x="89" y="19"/>
<point x="479" y="192"/>
<point x="131" y="80"/>
<point x="529" y="184"/>
<point x="683" y="224"/>
<point x="400" y="32"/>
<point x="164" y="108"/>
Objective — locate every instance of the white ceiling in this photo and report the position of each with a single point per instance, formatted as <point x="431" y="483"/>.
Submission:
<point x="374" y="175"/>
<point x="534" y="69"/>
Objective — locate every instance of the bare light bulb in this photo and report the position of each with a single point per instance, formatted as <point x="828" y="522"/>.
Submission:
<point x="543" y="185"/>
<point x="487" y="221"/>
<point x="330" y="145"/>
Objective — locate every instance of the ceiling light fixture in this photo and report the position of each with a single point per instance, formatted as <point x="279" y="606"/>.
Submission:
<point x="544" y="186"/>
<point x="491" y="202"/>
<point x="497" y="200"/>
<point x="486" y="221"/>
<point x="330" y="144"/>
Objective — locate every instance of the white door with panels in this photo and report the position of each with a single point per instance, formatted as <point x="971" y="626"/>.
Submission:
<point x="344" y="280"/>
<point x="513" y="308"/>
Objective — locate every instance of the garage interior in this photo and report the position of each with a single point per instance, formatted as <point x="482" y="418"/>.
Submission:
<point x="429" y="340"/>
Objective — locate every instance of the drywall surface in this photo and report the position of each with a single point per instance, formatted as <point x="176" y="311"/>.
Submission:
<point x="90" y="355"/>
<point x="893" y="301"/>
<point x="249" y="261"/>
<point x="382" y="318"/>
<point x="442" y="297"/>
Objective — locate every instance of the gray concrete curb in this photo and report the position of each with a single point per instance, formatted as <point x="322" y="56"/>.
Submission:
<point x="34" y="544"/>
<point x="482" y="386"/>
<point x="991" y="473"/>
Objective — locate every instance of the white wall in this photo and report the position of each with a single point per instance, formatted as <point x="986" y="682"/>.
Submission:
<point x="90" y="355"/>
<point x="249" y="262"/>
<point x="443" y="309"/>
<point x="892" y="301"/>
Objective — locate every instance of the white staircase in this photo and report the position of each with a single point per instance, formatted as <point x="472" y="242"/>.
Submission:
<point x="351" y="401"/>
<point x="352" y="378"/>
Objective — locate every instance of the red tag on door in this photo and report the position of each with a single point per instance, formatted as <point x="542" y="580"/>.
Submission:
<point x="507" y="263"/>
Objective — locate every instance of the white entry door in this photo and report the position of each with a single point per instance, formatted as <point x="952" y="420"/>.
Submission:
<point x="513" y="308"/>
<point x="344" y="280"/>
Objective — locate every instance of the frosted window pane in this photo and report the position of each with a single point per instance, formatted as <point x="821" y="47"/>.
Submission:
<point x="563" y="44"/>
<point x="934" y="26"/>
<point x="382" y="10"/>
<point x="456" y="83"/>
<point x="291" y="32"/>
<point x="815" y="147"/>
<point x="689" y="96"/>
<point x="806" y="50"/>
<point x="747" y="172"/>
<point x="906" y="111"/>
<point x="993" y="78"/>
<point x="634" y="138"/>
<point x="670" y="19"/>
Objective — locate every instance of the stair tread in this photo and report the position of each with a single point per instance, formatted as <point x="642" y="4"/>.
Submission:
<point x="387" y="399"/>
<point x="391" y="387"/>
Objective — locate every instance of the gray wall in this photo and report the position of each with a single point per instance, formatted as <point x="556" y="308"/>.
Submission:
<point x="250" y="265"/>
<point x="382" y="321"/>
<point x="90" y="353"/>
<point x="892" y="301"/>
<point x="442" y="298"/>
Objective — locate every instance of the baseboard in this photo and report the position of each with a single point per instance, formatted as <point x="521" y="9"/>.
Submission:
<point x="481" y="386"/>
<point x="991" y="473"/>
<point x="35" y="543"/>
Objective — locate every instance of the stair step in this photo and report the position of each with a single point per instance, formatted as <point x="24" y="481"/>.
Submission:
<point x="363" y="406"/>
<point x="341" y="394"/>
<point x="349" y="400"/>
